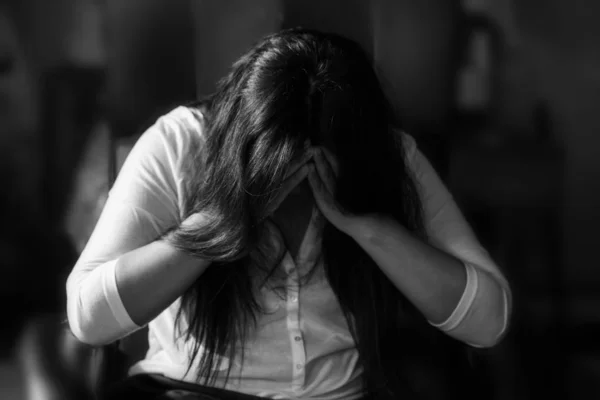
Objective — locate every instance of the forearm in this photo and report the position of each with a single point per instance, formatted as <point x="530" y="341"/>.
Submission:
<point x="108" y="301"/>
<point x="431" y="279"/>
<point x="150" y="278"/>
<point x="475" y="310"/>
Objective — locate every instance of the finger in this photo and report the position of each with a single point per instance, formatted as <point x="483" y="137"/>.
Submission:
<point x="325" y="171"/>
<point x="288" y="185"/>
<point x="292" y="181"/>
<point x="332" y="159"/>
<point x="295" y="166"/>
<point x="323" y="198"/>
<point x="318" y="186"/>
<point x="196" y="220"/>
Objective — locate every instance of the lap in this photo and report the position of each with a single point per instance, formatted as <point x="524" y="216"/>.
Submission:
<point x="158" y="387"/>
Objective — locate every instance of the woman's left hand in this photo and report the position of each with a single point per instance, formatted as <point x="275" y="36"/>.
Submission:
<point x="322" y="175"/>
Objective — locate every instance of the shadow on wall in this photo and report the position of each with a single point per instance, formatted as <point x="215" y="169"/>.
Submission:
<point x="30" y="246"/>
<point x="53" y="93"/>
<point x="561" y="48"/>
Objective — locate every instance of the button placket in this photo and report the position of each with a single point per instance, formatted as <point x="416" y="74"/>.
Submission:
<point x="295" y="334"/>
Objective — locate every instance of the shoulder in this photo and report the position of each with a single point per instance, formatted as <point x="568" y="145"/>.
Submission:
<point x="151" y="176"/>
<point x="185" y="122"/>
<point x="166" y="144"/>
<point x="174" y="133"/>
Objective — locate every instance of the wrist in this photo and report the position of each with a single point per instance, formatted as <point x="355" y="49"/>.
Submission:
<point x="376" y="230"/>
<point x="170" y="241"/>
<point x="362" y="229"/>
<point x="167" y="236"/>
<point x="181" y="257"/>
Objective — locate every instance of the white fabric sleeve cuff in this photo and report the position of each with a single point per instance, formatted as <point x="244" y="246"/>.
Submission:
<point x="465" y="302"/>
<point x="505" y="321"/>
<point x="113" y="298"/>
<point x="505" y="309"/>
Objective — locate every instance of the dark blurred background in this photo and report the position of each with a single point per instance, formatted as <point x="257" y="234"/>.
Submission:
<point x="502" y="95"/>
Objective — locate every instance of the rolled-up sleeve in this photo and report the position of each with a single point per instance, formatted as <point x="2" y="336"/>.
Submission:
<point x="482" y="315"/>
<point x="143" y="203"/>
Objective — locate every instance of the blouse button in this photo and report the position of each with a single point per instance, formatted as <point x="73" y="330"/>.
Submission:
<point x="297" y="338"/>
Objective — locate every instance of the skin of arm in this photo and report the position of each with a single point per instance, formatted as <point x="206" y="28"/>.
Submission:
<point x="436" y="281"/>
<point x="158" y="269"/>
<point x="431" y="279"/>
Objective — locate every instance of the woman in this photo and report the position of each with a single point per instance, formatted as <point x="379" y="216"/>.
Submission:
<point x="283" y="239"/>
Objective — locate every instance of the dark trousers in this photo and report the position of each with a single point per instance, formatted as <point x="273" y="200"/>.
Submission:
<point x="158" y="387"/>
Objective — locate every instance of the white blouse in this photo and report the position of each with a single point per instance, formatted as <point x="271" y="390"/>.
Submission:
<point x="302" y="347"/>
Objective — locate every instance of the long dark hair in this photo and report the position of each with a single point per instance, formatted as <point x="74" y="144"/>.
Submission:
<point x="294" y="86"/>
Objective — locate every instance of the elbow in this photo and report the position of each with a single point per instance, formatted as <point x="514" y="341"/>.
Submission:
<point x="86" y="333"/>
<point x="501" y="323"/>
<point x="493" y="319"/>
<point x="84" y="329"/>
<point x="492" y="336"/>
<point x="487" y="342"/>
<point x="82" y="323"/>
<point x="95" y="314"/>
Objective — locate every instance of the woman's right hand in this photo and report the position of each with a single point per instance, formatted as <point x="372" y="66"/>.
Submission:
<point x="195" y="220"/>
<point x="296" y="173"/>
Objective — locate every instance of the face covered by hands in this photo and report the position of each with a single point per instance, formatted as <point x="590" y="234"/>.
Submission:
<point x="321" y="168"/>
